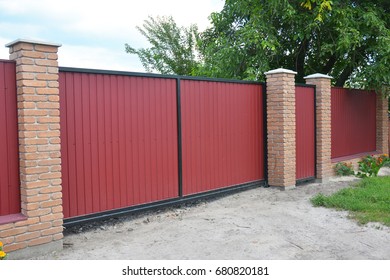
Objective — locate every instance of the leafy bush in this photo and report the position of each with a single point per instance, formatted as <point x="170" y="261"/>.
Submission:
<point x="369" y="166"/>
<point x="344" y="169"/>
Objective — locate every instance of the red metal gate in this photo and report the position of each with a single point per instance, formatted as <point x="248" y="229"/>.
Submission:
<point x="305" y="132"/>
<point x="222" y="134"/>
<point x="9" y="158"/>
<point x="125" y="146"/>
<point x="118" y="141"/>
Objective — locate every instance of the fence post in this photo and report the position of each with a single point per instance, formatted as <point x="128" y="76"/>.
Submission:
<point x="323" y="125"/>
<point x="39" y="149"/>
<point x="281" y="128"/>
<point x="382" y="128"/>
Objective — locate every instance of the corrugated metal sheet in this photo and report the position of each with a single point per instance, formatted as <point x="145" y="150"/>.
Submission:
<point x="353" y="122"/>
<point x="9" y="158"/>
<point x="305" y="132"/>
<point x="119" y="141"/>
<point x="222" y="134"/>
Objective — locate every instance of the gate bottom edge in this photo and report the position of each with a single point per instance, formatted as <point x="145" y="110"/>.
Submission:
<point x="70" y="222"/>
<point x="305" y="180"/>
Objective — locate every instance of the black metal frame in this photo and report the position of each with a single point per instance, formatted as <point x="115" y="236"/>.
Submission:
<point x="153" y="75"/>
<point x="265" y="127"/>
<point x="179" y="137"/>
<point x="311" y="179"/>
<point x="68" y="222"/>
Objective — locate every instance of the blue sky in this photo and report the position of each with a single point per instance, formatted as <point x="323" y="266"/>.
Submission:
<point x="93" y="32"/>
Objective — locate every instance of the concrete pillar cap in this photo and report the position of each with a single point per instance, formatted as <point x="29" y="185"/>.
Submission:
<point x="29" y="41"/>
<point x="318" y="76"/>
<point x="280" y="71"/>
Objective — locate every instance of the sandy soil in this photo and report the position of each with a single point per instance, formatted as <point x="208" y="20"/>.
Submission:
<point x="262" y="223"/>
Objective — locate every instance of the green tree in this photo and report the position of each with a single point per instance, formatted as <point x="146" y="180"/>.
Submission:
<point x="172" y="48"/>
<point x="349" y="40"/>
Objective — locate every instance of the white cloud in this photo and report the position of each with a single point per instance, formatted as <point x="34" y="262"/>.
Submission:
<point x="82" y="24"/>
<point x="97" y="58"/>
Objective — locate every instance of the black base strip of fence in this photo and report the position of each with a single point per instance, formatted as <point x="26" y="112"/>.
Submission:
<point x="305" y="180"/>
<point x="70" y="222"/>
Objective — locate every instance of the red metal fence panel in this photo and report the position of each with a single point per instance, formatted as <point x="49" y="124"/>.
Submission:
<point x="119" y="141"/>
<point x="305" y="132"/>
<point x="222" y="134"/>
<point x="353" y="122"/>
<point x="9" y="157"/>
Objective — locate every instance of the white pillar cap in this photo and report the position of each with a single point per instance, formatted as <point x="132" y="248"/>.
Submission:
<point x="29" y="41"/>
<point x="318" y="76"/>
<point x="280" y="71"/>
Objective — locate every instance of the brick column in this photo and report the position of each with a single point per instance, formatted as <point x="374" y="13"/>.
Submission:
<point x="281" y="128"/>
<point x="382" y="127"/>
<point x="323" y="125"/>
<point x="39" y="149"/>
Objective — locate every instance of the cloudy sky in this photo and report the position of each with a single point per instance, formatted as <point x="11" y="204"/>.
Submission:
<point x="93" y="32"/>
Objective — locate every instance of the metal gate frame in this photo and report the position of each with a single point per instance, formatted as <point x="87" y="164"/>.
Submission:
<point x="68" y="222"/>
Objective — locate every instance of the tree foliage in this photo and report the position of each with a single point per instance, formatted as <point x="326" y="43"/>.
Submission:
<point x="172" y="48"/>
<point x="349" y="40"/>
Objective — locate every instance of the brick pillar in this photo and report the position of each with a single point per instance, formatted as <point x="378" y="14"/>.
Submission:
<point x="382" y="128"/>
<point x="281" y="128"/>
<point x="323" y="125"/>
<point x="39" y="149"/>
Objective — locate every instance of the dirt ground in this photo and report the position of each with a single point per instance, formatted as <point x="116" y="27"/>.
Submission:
<point x="262" y="223"/>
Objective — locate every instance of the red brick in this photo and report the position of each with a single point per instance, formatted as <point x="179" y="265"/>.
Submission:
<point x="39" y="226"/>
<point x="48" y="134"/>
<point x="57" y="223"/>
<point x="51" y="175"/>
<point x="40" y="241"/>
<point x="46" y="62"/>
<point x="48" y="91"/>
<point x="12" y="232"/>
<point x="15" y="246"/>
<point x="27" y="236"/>
<point x="47" y="105"/>
<point x="38" y="184"/>
<point x="22" y="46"/>
<point x="39" y="212"/>
<point x="51" y="189"/>
<point x="52" y="231"/>
<point x="47" y="77"/>
<point x="49" y="162"/>
<point x="38" y="198"/>
<point x="49" y="119"/>
<point x="46" y="49"/>
<point x="29" y="221"/>
<point x="58" y="236"/>
<point x="51" y="203"/>
<point x="57" y="209"/>
<point x="51" y="217"/>
<point x="31" y="69"/>
<point x="48" y="148"/>
<point x="34" y="83"/>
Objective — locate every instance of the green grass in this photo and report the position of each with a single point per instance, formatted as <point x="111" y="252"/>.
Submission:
<point x="367" y="201"/>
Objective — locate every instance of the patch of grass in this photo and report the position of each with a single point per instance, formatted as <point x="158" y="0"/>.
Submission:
<point x="367" y="201"/>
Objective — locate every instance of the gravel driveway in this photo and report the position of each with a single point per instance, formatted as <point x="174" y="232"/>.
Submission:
<point x="262" y="223"/>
